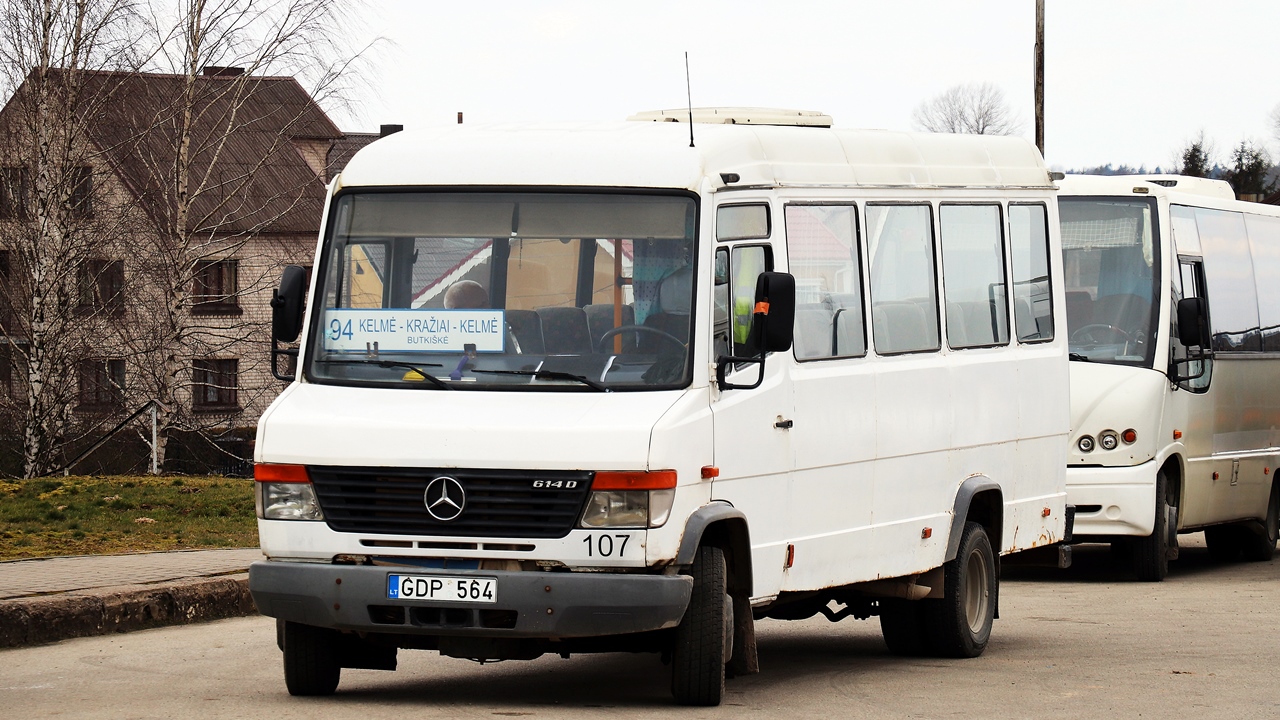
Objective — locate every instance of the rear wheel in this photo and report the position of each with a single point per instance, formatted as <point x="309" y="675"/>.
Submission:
<point x="960" y="623"/>
<point x="1259" y="539"/>
<point x="311" y="664"/>
<point x="1151" y="554"/>
<point x="704" y="638"/>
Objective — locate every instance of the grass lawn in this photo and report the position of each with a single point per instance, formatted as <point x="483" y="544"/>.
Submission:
<point x="101" y="515"/>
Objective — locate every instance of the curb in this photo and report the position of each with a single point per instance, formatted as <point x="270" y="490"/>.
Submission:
<point x="50" y="618"/>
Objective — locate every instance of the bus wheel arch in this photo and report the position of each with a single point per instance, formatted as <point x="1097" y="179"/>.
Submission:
<point x="979" y="499"/>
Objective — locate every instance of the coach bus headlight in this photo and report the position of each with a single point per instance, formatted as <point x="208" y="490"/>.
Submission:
<point x="284" y="492"/>
<point x="1108" y="439"/>
<point x="630" y="499"/>
<point x="1085" y="443"/>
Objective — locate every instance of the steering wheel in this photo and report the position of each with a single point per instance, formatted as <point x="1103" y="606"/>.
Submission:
<point x="1085" y="334"/>
<point x="608" y="334"/>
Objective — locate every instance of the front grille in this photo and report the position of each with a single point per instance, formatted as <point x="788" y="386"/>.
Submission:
<point x="499" y="503"/>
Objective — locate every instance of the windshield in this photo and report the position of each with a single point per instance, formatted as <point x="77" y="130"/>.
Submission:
<point x="1110" y="260"/>
<point x="511" y="291"/>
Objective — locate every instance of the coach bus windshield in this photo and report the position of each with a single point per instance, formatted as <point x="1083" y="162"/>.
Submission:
<point x="585" y="292"/>
<point x="1111" y="261"/>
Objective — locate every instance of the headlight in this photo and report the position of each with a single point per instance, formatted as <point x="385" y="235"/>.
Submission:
<point x="1108" y="439"/>
<point x="1085" y="444"/>
<point x="630" y="500"/>
<point x="288" y="501"/>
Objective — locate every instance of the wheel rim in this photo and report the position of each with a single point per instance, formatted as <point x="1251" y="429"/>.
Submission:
<point x="976" y="591"/>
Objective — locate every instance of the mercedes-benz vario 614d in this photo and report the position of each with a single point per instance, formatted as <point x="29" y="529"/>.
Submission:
<point x="593" y="388"/>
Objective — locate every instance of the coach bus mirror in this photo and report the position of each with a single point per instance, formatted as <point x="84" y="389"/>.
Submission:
<point x="1192" y="328"/>
<point x="772" y="329"/>
<point x="286" y="305"/>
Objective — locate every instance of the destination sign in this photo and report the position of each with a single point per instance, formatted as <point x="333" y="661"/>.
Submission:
<point x="410" y="330"/>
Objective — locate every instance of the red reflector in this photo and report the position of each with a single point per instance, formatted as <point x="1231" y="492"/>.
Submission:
<point x="656" y="480"/>
<point x="1177" y="434"/>
<point x="1045" y="512"/>
<point x="268" y="472"/>
<point x="1129" y="436"/>
<point x="791" y="556"/>
<point x="926" y="533"/>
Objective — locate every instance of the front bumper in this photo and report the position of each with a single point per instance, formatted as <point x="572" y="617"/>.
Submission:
<point x="1113" y="500"/>
<point x="530" y="604"/>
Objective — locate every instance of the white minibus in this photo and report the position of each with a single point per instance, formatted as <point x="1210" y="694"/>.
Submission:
<point x="632" y="387"/>
<point x="1173" y="314"/>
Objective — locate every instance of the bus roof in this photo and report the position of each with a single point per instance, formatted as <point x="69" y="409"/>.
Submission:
<point x="1159" y="185"/>
<point x="658" y="155"/>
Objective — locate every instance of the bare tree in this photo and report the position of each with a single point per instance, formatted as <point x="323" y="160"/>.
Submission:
<point x="1274" y="121"/>
<point x="973" y="109"/>
<point x="213" y="201"/>
<point x="53" y="300"/>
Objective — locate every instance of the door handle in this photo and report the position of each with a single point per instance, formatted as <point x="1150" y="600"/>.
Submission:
<point x="783" y="424"/>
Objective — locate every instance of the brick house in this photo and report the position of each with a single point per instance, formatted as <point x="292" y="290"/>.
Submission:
<point x="261" y="153"/>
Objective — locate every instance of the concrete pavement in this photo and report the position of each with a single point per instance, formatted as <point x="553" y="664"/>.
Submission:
<point x="48" y="599"/>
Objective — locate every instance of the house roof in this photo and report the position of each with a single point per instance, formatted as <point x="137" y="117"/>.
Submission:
<point x="247" y="174"/>
<point x="345" y="147"/>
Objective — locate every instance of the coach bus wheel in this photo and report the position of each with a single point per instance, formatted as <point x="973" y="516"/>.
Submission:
<point x="704" y="638"/>
<point x="1151" y="553"/>
<point x="961" y="622"/>
<point x="1260" y="538"/>
<point x="311" y="665"/>
<point x="902" y="622"/>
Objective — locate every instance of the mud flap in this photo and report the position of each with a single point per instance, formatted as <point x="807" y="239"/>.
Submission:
<point x="1171" y="512"/>
<point x="745" y="661"/>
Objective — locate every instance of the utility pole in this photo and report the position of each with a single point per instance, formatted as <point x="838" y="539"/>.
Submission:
<point x="1039" y="63"/>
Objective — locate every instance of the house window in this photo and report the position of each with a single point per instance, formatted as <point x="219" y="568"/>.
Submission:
<point x="101" y="383"/>
<point x="102" y="285"/>
<point x="80" y="201"/>
<point x="14" y="191"/>
<point x="215" y="383"/>
<point x="215" y="288"/>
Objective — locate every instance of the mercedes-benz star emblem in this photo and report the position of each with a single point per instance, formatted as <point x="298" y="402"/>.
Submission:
<point x="445" y="498"/>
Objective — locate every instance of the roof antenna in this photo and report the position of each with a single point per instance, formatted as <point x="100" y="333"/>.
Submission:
<point x="689" y="89"/>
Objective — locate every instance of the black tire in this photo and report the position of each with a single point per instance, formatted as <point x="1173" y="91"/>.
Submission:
<point x="1151" y="553"/>
<point x="1259" y="539"/>
<point x="960" y="623"/>
<point x="905" y="627"/>
<point x="704" y="638"/>
<point x="311" y="664"/>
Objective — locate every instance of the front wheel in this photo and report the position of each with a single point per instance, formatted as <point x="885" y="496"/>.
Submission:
<point x="1260" y="538"/>
<point x="961" y="621"/>
<point x="311" y="665"/>
<point x="1150" y="555"/>
<point x="704" y="638"/>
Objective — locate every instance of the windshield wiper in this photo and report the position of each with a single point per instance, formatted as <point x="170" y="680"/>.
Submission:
<point x="1078" y="357"/>
<point x="549" y="375"/>
<point x="393" y="364"/>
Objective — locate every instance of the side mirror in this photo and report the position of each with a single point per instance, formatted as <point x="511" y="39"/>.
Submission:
<point x="286" y="316"/>
<point x="777" y="293"/>
<point x="1193" y="326"/>
<point x="286" y="305"/>
<point x="772" y="329"/>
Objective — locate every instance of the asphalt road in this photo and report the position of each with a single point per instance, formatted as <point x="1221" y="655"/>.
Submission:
<point x="1081" y="643"/>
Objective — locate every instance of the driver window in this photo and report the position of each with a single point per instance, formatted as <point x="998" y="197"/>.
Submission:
<point x="1188" y="282"/>
<point x="735" y="286"/>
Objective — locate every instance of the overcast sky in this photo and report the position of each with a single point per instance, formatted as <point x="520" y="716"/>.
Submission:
<point x="1126" y="81"/>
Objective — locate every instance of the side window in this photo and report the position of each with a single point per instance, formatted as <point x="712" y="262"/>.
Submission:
<point x="1032" y="292"/>
<point x="734" y="295"/>
<point x="1228" y="268"/>
<point x="904" y="303"/>
<point x="973" y="279"/>
<point x="1188" y="283"/>
<point x="822" y="253"/>
<point x="1264" y="244"/>
<point x="742" y="222"/>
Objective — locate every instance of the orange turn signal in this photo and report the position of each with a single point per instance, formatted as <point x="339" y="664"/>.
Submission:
<point x="271" y="472"/>
<point x="656" y="480"/>
<point x="710" y="471"/>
